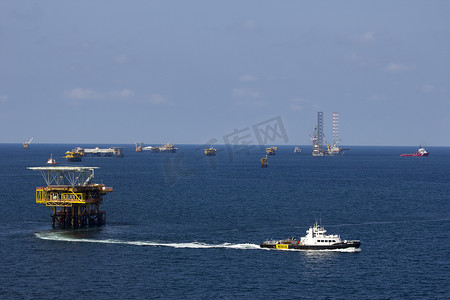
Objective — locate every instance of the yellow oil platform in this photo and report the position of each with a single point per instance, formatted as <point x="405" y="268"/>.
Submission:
<point x="72" y="197"/>
<point x="168" y="148"/>
<point x="271" y="150"/>
<point x="73" y="155"/>
<point x="118" y="152"/>
<point x="139" y="146"/>
<point x="210" y="151"/>
<point x="264" y="162"/>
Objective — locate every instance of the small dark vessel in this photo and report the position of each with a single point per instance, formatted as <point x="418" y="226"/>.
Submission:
<point x="315" y="239"/>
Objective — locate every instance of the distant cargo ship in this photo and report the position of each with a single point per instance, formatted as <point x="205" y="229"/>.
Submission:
<point x="420" y="152"/>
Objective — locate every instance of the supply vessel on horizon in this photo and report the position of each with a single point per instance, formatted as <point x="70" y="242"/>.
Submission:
<point x="420" y="152"/>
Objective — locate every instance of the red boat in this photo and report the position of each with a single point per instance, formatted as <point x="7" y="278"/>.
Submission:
<point x="51" y="161"/>
<point x="420" y="152"/>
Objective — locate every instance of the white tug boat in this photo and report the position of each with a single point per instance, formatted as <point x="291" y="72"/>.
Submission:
<point x="315" y="239"/>
<point x="51" y="160"/>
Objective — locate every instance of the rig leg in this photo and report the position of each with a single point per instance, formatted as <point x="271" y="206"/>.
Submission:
<point x="72" y="219"/>
<point x="53" y="216"/>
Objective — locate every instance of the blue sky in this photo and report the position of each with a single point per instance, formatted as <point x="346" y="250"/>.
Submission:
<point x="189" y="71"/>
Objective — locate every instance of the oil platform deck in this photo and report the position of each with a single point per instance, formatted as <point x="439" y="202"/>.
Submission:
<point x="72" y="197"/>
<point x="112" y="151"/>
<point x="271" y="150"/>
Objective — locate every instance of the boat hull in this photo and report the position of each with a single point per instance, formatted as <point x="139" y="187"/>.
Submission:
<point x="415" y="154"/>
<point x="420" y="152"/>
<point x="294" y="246"/>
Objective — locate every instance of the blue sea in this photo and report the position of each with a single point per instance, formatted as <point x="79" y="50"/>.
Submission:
<point x="182" y="225"/>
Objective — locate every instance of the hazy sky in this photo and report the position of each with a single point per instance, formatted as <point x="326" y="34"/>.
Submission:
<point x="189" y="71"/>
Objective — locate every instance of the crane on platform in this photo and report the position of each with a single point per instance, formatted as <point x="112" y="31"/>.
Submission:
<point x="26" y="145"/>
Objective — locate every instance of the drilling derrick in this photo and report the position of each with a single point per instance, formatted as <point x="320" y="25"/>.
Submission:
<point x="320" y="129"/>
<point x="334" y="149"/>
<point x="72" y="197"/>
<point x="335" y="129"/>
<point x="317" y="138"/>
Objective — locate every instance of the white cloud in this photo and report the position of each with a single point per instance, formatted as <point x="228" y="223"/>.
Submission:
<point x="245" y="93"/>
<point x="296" y="104"/>
<point x="250" y="25"/>
<point x="248" y="78"/>
<point x="122" y="59"/>
<point x="81" y="94"/>
<point x="373" y="97"/>
<point x="125" y="93"/>
<point x="157" y="99"/>
<point x="3" y="98"/>
<point x="248" y="97"/>
<point x="367" y="37"/>
<point x="90" y="94"/>
<point x="376" y="98"/>
<point x="354" y="57"/>
<point x="397" y="67"/>
<point x="427" y="88"/>
<point x="295" y="107"/>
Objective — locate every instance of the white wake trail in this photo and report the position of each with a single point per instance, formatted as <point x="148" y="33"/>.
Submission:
<point x="193" y="245"/>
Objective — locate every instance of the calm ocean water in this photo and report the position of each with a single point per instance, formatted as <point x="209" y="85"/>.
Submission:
<point x="187" y="226"/>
